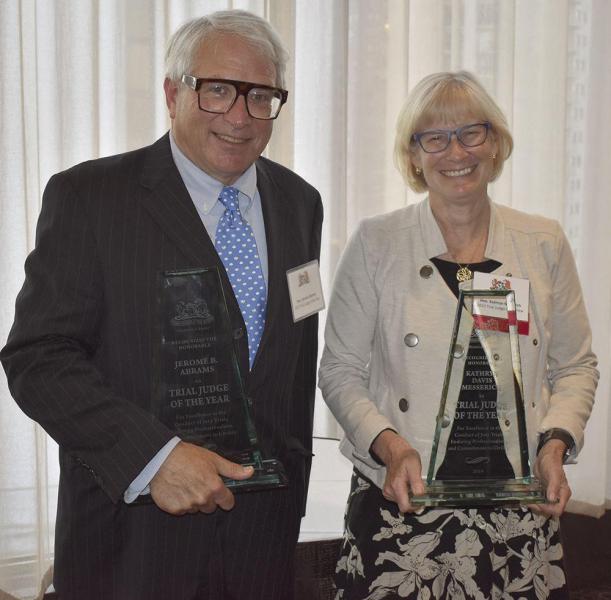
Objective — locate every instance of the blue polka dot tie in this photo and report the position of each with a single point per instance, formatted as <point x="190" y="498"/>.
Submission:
<point x="236" y="245"/>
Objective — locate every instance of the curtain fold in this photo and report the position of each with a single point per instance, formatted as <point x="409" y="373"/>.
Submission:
<point x="588" y="185"/>
<point x="84" y="79"/>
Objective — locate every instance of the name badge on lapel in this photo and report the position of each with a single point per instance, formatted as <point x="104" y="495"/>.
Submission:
<point x="521" y="288"/>
<point x="305" y="290"/>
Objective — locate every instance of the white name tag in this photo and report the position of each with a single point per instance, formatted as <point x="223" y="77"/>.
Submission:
<point x="521" y="287"/>
<point x="305" y="290"/>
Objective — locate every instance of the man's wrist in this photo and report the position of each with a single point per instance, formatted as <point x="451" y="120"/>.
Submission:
<point x="140" y="485"/>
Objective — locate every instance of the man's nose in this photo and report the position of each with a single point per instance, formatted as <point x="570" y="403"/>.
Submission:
<point x="238" y="115"/>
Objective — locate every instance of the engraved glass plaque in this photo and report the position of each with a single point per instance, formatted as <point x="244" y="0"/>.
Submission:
<point x="198" y="389"/>
<point x="480" y="451"/>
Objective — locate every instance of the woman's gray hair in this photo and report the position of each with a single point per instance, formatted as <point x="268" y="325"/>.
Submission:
<point x="449" y="97"/>
<point x="187" y="40"/>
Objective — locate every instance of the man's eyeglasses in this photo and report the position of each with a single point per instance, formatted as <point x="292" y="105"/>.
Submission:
<point x="437" y="140"/>
<point x="219" y="95"/>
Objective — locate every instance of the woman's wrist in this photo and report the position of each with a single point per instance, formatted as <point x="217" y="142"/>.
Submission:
<point x="387" y="443"/>
<point x="561" y="441"/>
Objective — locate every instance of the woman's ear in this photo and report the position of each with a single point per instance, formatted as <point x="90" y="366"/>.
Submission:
<point x="414" y="157"/>
<point x="494" y="143"/>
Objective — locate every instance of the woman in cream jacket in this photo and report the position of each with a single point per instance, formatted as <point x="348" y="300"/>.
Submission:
<point x="387" y="337"/>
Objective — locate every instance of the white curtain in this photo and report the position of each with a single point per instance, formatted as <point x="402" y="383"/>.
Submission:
<point x="82" y="79"/>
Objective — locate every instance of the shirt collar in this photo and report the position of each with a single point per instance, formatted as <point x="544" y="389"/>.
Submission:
<point x="205" y="190"/>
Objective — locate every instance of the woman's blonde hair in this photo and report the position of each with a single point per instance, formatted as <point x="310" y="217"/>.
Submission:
<point x="447" y="97"/>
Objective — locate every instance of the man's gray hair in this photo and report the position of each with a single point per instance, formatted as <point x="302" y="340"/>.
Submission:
<point x="187" y="40"/>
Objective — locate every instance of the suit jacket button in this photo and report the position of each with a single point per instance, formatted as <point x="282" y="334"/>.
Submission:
<point x="458" y="350"/>
<point x="426" y="271"/>
<point x="238" y="333"/>
<point x="411" y="340"/>
<point x="403" y="404"/>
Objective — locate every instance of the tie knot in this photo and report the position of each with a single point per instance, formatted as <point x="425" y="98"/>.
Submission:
<point x="229" y="198"/>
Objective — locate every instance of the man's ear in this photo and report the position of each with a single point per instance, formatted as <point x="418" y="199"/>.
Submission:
<point x="171" y="91"/>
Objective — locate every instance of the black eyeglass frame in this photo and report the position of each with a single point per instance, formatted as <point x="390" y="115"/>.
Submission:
<point x="242" y="89"/>
<point x="416" y="137"/>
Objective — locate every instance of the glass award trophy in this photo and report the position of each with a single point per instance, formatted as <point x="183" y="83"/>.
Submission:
<point x="198" y="389"/>
<point x="480" y="451"/>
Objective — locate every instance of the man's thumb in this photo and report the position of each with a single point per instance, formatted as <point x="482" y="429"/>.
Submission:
<point x="232" y="470"/>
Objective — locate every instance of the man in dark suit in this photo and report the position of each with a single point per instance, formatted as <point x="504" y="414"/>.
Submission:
<point x="78" y="358"/>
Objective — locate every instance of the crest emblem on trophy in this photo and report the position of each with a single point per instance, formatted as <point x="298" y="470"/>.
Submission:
<point x="192" y="310"/>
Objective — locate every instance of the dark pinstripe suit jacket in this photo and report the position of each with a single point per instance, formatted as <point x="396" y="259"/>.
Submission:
<point x="78" y="358"/>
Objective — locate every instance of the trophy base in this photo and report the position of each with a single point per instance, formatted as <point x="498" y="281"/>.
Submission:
<point x="269" y="474"/>
<point x="472" y="493"/>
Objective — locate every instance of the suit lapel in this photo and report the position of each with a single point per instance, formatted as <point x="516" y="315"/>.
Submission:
<point x="169" y="203"/>
<point x="278" y="229"/>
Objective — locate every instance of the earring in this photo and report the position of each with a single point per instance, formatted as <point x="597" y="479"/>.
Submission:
<point x="418" y="171"/>
<point x="493" y="156"/>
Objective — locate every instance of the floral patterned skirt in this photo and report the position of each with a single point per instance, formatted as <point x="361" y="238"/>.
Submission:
<point x="458" y="554"/>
